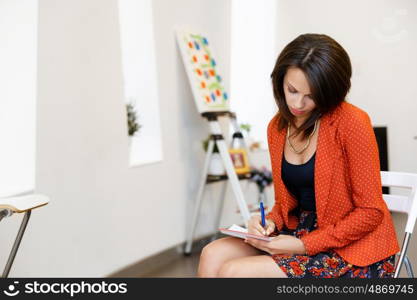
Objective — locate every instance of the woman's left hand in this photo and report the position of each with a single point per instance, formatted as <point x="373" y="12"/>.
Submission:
<point x="281" y="244"/>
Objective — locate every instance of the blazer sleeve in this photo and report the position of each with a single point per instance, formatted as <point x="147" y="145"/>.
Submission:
<point x="361" y="151"/>
<point x="275" y="213"/>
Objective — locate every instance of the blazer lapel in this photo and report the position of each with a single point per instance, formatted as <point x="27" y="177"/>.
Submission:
<point x="324" y="165"/>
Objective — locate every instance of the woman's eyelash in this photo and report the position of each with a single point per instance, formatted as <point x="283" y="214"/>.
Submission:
<point x="294" y="92"/>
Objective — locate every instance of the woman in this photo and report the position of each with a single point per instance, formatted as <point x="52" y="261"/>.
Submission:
<point x="329" y="217"/>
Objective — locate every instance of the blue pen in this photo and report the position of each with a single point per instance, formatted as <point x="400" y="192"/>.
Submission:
<point x="262" y="214"/>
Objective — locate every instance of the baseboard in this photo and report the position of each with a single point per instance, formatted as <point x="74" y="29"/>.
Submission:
<point x="156" y="261"/>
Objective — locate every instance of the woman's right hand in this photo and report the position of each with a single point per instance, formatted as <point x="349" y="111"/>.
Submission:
<point x="255" y="226"/>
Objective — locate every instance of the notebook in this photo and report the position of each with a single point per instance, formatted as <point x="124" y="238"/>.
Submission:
<point x="240" y="232"/>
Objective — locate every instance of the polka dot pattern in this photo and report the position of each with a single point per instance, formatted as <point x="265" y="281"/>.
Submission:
<point x="352" y="217"/>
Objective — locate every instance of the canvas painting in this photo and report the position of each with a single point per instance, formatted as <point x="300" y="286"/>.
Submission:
<point x="203" y="72"/>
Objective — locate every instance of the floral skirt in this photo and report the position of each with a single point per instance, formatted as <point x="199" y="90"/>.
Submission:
<point x="326" y="264"/>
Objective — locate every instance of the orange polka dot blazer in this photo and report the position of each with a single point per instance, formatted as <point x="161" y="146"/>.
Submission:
<point x="352" y="217"/>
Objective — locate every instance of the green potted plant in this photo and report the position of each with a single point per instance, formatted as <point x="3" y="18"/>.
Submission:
<point x="132" y="123"/>
<point x="252" y="145"/>
<point x="245" y="127"/>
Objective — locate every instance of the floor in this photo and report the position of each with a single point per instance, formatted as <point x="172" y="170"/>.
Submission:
<point x="184" y="266"/>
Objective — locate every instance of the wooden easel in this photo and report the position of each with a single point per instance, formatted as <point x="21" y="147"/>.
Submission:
<point x="212" y="101"/>
<point x="216" y="138"/>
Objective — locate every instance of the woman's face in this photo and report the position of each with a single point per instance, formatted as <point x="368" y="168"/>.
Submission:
<point x="297" y="94"/>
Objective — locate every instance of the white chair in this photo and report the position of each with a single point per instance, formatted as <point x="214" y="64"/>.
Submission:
<point x="403" y="204"/>
<point x="21" y="203"/>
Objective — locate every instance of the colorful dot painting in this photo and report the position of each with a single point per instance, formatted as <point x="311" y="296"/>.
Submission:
<point x="205" y="79"/>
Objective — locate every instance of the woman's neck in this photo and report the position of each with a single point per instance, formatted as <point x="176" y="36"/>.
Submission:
<point x="299" y="122"/>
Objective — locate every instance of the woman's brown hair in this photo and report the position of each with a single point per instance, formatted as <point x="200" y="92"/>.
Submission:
<point x="327" y="68"/>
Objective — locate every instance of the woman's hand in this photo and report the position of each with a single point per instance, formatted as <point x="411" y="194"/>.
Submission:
<point x="255" y="226"/>
<point x="282" y="244"/>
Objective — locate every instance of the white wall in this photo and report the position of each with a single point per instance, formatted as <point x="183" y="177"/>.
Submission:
<point x="104" y="216"/>
<point x="253" y="56"/>
<point x="380" y="39"/>
<point x="18" y="36"/>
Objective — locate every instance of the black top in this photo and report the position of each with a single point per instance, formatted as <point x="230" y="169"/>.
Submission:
<point x="299" y="180"/>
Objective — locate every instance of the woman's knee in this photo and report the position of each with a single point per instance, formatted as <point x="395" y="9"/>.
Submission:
<point x="210" y="260"/>
<point x="217" y="249"/>
<point x="210" y="251"/>
<point x="229" y="269"/>
<point x="218" y="252"/>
